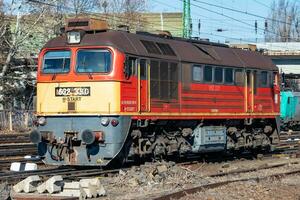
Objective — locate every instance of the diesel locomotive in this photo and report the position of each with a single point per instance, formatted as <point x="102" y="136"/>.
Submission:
<point x="105" y="95"/>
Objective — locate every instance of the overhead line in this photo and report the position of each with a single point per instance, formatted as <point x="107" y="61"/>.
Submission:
<point x="207" y="18"/>
<point x="218" y="13"/>
<point x="111" y="18"/>
<point x="262" y="4"/>
<point x="237" y="39"/>
<point x="239" y="11"/>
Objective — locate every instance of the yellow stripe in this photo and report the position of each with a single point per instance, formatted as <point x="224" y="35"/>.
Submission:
<point x="105" y="98"/>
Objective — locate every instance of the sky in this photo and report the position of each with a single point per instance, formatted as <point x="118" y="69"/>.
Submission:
<point x="233" y="31"/>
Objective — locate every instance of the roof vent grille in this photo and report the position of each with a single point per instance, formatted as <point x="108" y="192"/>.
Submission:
<point x="86" y="24"/>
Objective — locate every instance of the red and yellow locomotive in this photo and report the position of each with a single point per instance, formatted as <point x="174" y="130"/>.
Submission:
<point x="105" y="95"/>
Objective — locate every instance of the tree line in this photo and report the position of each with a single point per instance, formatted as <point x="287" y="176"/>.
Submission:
<point x="284" y="22"/>
<point x="26" y="25"/>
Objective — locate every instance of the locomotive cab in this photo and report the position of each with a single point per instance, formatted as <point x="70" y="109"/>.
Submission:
<point x="78" y="99"/>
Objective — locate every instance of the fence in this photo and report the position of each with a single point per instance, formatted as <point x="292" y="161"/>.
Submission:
<point x="16" y="120"/>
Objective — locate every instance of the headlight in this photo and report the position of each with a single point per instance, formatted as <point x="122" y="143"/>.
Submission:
<point x="105" y="121"/>
<point x="74" y="37"/>
<point x="35" y="136"/>
<point x="42" y="121"/>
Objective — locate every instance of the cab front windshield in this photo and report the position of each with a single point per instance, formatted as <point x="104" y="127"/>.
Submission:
<point x="56" y="62"/>
<point x="93" y="61"/>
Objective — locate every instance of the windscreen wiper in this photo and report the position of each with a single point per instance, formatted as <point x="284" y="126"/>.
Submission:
<point x="85" y="68"/>
<point x="90" y="75"/>
<point x="54" y="76"/>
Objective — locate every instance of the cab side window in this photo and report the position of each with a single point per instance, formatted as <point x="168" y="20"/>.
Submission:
<point x="218" y="74"/>
<point x="143" y="68"/>
<point x="154" y="79"/>
<point x="264" y="79"/>
<point x="228" y="75"/>
<point x="130" y="67"/>
<point x="208" y="75"/>
<point x="239" y="77"/>
<point x="197" y="73"/>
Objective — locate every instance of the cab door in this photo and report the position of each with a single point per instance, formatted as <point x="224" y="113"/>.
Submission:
<point x="143" y="85"/>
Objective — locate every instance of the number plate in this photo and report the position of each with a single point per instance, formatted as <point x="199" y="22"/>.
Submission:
<point x="72" y="91"/>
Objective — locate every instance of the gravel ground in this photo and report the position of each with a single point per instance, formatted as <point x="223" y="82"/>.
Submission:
<point x="286" y="188"/>
<point x="153" y="180"/>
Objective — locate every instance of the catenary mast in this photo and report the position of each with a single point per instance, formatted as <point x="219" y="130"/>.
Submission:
<point x="187" y="20"/>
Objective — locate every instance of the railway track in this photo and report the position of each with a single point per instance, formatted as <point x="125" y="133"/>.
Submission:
<point x="67" y="173"/>
<point x="182" y="193"/>
<point x="289" y="145"/>
<point x="235" y="173"/>
<point x="14" y="138"/>
<point x="16" y="145"/>
<point x="18" y="149"/>
<point x="6" y="163"/>
<point x="13" y="148"/>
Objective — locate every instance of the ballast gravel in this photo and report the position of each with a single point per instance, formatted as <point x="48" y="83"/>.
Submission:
<point x="155" y="179"/>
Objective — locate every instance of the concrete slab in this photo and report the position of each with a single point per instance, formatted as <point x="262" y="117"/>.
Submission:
<point x="54" y="184"/>
<point x="18" y="166"/>
<point x="90" y="192"/>
<point x="70" y="193"/>
<point x="85" y="183"/>
<point x="27" y="185"/>
<point x="71" y="185"/>
<point x="92" y="187"/>
<point x="41" y="188"/>
<point x="23" y="196"/>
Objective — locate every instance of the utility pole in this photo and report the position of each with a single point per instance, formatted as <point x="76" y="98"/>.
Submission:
<point x="187" y="20"/>
<point x="161" y="21"/>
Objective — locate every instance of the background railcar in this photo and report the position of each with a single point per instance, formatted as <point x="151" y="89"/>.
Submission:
<point x="105" y="95"/>
<point x="290" y="102"/>
<point x="290" y="110"/>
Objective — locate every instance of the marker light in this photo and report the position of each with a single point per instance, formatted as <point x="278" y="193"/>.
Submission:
<point x="114" y="122"/>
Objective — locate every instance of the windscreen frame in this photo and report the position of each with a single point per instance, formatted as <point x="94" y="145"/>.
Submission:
<point x="98" y="50"/>
<point x="42" y="70"/>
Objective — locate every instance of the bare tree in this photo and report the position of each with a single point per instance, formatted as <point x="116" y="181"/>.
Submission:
<point x="283" y="22"/>
<point x="124" y="12"/>
<point x="21" y="26"/>
<point x="21" y="22"/>
<point x="79" y="6"/>
<point x="26" y="25"/>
